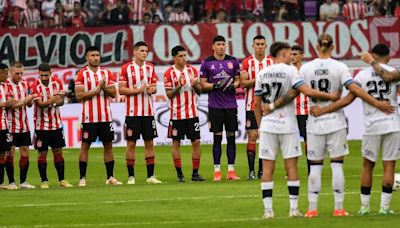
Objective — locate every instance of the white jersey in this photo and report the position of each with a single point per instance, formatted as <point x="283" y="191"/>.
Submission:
<point x="271" y="83"/>
<point x="326" y="75"/>
<point x="375" y="121"/>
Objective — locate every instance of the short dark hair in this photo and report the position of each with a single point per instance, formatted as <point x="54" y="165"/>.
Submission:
<point x="218" y="39"/>
<point x="92" y="48"/>
<point x="381" y="50"/>
<point x="139" y="44"/>
<point x="298" y="48"/>
<point x="3" y="66"/>
<point x="259" y="37"/>
<point x="276" y="47"/>
<point x="44" y="67"/>
<point x="177" y="49"/>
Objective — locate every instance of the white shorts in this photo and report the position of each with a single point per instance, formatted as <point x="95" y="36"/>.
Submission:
<point x="269" y="144"/>
<point x="335" y="143"/>
<point x="390" y="144"/>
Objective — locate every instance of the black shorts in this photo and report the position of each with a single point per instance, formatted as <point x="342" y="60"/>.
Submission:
<point x="218" y="117"/>
<point x="21" y="139"/>
<point x="140" y="125"/>
<point x="251" y="122"/>
<point x="5" y="141"/>
<point x="104" y="130"/>
<point x="44" y="139"/>
<point x="302" y="123"/>
<point x="177" y="129"/>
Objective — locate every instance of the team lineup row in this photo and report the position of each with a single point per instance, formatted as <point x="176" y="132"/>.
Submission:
<point x="271" y="115"/>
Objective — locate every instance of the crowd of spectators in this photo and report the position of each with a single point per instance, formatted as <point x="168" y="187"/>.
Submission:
<point x="78" y="13"/>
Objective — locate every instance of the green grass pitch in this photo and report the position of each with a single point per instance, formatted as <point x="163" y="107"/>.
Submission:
<point x="171" y="204"/>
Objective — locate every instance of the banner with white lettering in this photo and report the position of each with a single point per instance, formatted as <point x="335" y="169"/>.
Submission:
<point x="66" y="47"/>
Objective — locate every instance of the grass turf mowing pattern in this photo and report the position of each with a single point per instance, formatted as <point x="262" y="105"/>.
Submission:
<point x="224" y="204"/>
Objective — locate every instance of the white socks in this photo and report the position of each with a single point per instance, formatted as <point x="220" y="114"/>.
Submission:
<point x="293" y="187"/>
<point x="338" y="184"/>
<point x="365" y="199"/>
<point x="314" y="186"/>
<point x="385" y="200"/>
<point x="266" y="188"/>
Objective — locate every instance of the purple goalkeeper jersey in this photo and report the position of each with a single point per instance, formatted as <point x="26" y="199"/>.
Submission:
<point x="215" y="70"/>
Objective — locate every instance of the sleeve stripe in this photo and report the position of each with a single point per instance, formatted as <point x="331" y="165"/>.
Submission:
<point x="299" y="83"/>
<point x="348" y="82"/>
<point x="258" y="92"/>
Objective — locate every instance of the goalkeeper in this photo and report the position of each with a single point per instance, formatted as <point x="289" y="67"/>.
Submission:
<point x="219" y="75"/>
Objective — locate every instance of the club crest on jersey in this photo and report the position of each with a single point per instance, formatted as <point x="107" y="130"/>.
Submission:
<point x="212" y="67"/>
<point x="39" y="143"/>
<point x="230" y="65"/>
<point x="129" y="132"/>
<point x="85" y="135"/>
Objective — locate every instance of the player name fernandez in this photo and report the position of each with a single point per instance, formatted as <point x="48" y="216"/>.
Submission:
<point x="275" y="75"/>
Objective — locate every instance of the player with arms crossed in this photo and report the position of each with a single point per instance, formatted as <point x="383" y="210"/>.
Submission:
<point x="182" y="85"/>
<point x="219" y="75"/>
<point x="250" y="68"/>
<point x="382" y="130"/>
<point x="278" y="129"/>
<point x="138" y="81"/>
<point x="5" y="137"/>
<point x="327" y="132"/>
<point x="48" y="95"/>
<point x="94" y="86"/>
<point x="18" y="125"/>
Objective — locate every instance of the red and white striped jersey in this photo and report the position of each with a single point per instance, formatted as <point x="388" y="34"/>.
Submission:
<point x="184" y="104"/>
<point x="30" y="18"/>
<point x="252" y="66"/>
<point x="18" y="118"/>
<point x="354" y="11"/>
<point x="58" y="18"/>
<point x="179" y="17"/>
<point x="301" y="104"/>
<point x="47" y="119"/>
<point x="96" y="109"/>
<point x="135" y="76"/>
<point x="4" y="96"/>
<point x="137" y="6"/>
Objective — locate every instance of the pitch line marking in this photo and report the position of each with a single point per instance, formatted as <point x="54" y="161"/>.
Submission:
<point x="159" y="200"/>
